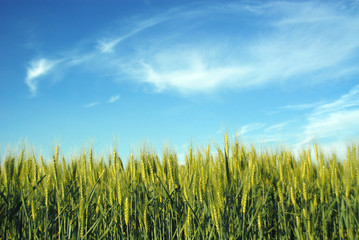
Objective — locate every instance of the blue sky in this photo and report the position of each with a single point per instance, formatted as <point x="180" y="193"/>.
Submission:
<point x="105" y="73"/>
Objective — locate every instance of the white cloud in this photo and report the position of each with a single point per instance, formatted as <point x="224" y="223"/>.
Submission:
<point x="310" y="39"/>
<point x="250" y="128"/>
<point x="91" y="105"/>
<point x="335" y="120"/>
<point x="276" y="127"/>
<point x="264" y="43"/>
<point x="114" y="99"/>
<point x="36" y="69"/>
<point x="108" y="45"/>
<point x="194" y="78"/>
<point x="302" y="106"/>
<point x="346" y="101"/>
<point x="111" y="100"/>
<point x="314" y="40"/>
<point x="75" y="59"/>
<point x="334" y="124"/>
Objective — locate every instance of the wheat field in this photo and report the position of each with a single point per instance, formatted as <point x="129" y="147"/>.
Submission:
<point x="229" y="192"/>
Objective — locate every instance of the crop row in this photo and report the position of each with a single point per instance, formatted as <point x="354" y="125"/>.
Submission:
<point x="230" y="192"/>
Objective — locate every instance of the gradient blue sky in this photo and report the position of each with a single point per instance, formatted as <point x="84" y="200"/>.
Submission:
<point x="79" y="73"/>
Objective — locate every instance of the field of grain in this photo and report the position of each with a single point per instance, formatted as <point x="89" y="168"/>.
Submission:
<point x="229" y="192"/>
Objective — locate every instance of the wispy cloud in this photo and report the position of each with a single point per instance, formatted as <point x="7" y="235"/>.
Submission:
<point x="335" y="124"/>
<point x="335" y="120"/>
<point x="197" y="78"/>
<point x="91" y="104"/>
<point x="332" y="123"/>
<point x="299" y="107"/>
<point x="264" y="43"/>
<point x="108" y="45"/>
<point x="276" y="127"/>
<point x="250" y="128"/>
<point x="347" y="101"/>
<point x="114" y="99"/>
<point x="36" y="69"/>
<point x="295" y="44"/>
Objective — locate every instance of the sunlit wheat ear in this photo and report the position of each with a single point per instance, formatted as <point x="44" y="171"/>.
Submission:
<point x="244" y="201"/>
<point x="215" y="217"/>
<point x="169" y="173"/>
<point x="304" y="168"/>
<point x="253" y="170"/>
<point x="84" y="168"/>
<point x="91" y="164"/>
<point x="21" y="155"/>
<point x="200" y="194"/>
<point x="280" y="193"/>
<point x="110" y="194"/>
<point x="114" y="156"/>
<point x="194" y="187"/>
<point x="132" y="168"/>
<point x="27" y="170"/>
<point x="220" y="201"/>
<point x="54" y="168"/>
<point x="298" y="221"/>
<point x="235" y="158"/>
<point x="250" y="161"/>
<point x="46" y="187"/>
<point x="203" y="180"/>
<point x="143" y="168"/>
<point x="226" y="145"/>
<point x="190" y="156"/>
<point x="347" y="186"/>
<point x="145" y="219"/>
<point x="127" y="211"/>
<point x="33" y="211"/>
<point x="98" y="204"/>
<point x="6" y="178"/>
<point x="292" y="197"/>
<point x="316" y="152"/>
<point x="34" y="171"/>
<point x="305" y="196"/>
<point x="281" y="177"/>
<point x="259" y="220"/>
<point x="152" y="172"/>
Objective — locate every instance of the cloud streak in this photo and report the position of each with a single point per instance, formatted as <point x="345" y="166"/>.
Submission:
<point x="250" y="128"/>
<point x="276" y="127"/>
<point x="335" y="120"/>
<point x="91" y="104"/>
<point x="108" y="45"/>
<point x="114" y="99"/>
<point x="296" y="44"/>
<point x="347" y="101"/>
<point x="263" y="43"/>
<point x="299" y="107"/>
<point x="36" y="69"/>
<point x="329" y="122"/>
